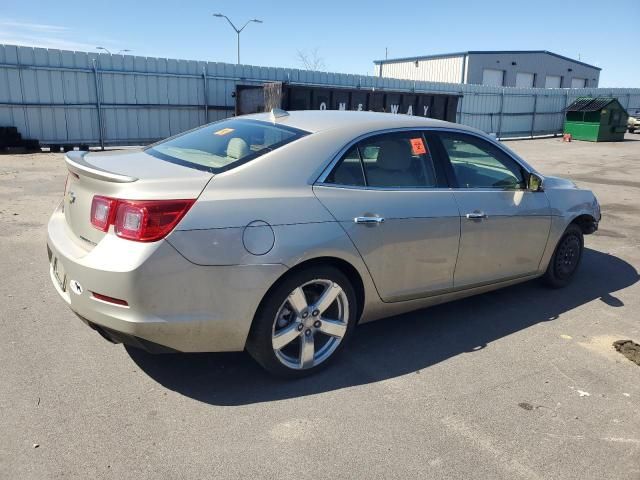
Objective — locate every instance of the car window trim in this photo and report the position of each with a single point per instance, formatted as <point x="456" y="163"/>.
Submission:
<point x="362" y="169"/>
<point x="440" y="161"/>
<point x="452" y="182"/>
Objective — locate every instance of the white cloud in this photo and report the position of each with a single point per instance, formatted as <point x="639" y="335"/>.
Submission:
<point x="46" y="42"/>
<point x="36" y="27"/>
<point x="15" y="32"/>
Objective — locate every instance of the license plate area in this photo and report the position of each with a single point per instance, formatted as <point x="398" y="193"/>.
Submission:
<point x="59" y="273"/>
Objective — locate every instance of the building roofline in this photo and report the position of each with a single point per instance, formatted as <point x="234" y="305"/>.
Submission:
<point x="420" y="57"/>
<point x="480" y="52"/>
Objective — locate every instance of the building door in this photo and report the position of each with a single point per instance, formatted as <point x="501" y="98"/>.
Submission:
<point x="491" y="77"/>
<point x="524" y="80"/>
<point x="578" y="82"/>
<point x="553" y="81"/>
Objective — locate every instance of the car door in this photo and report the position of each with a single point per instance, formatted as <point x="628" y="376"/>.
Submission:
<point x="504" y="226"/>
<point x="393" y="202"/>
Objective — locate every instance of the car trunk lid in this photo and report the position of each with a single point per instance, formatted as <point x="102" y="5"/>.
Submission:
<point x="130" y="175"/>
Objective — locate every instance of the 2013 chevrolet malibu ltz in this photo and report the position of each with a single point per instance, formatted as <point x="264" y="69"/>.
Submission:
<point x="278" y="232"/>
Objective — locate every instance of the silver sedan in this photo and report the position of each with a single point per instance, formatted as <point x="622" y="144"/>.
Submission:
<point x="279" y="232"/>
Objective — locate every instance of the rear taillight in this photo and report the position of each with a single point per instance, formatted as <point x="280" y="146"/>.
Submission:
<point x="102" y="212"/>
<point x="147" y="221"/>
<point x="138" y="220"/>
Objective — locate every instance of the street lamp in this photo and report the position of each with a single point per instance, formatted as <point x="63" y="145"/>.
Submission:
<point x="238" y="31"/>
<point x="125" y="50"/>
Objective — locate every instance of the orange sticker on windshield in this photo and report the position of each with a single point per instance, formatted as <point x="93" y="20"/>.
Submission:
<point x="417" y="146"/>
<point x="224" y="131"/>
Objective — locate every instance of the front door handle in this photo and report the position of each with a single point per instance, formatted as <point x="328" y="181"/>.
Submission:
<point x="369" y="220"/>
<point x="477" y="215"/>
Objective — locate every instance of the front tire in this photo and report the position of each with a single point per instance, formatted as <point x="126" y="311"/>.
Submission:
<point x="304" y="322"/>
<point x="566" y="258"/>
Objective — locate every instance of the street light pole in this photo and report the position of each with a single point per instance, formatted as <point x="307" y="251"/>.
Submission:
<point x="236" y="29"/>
<point x="239" y="47"/>
<point x="125" y="50"/>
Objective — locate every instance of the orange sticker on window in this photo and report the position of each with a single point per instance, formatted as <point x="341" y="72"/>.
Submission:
<point x="417" y="146"/>
<point x="224" y="131"/>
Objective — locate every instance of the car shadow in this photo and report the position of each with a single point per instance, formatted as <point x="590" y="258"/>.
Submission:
<point x="397" y="345"/>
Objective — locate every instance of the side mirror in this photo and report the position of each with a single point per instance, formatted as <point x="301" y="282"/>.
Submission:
<point x="535" y="183"/>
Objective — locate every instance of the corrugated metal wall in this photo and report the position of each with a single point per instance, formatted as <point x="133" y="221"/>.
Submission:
<point x="51" y="95"/>
<point x="447" y="69"/>
<point x="523" y="112"/>
<point x="541" y="64"/>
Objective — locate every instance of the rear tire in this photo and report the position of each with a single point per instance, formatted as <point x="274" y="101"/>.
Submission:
<point x="566" y="259"/>
<point x="304" y="322"/>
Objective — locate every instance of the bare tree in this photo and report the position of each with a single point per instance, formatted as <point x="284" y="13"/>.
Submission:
<point x="310" y="60"/>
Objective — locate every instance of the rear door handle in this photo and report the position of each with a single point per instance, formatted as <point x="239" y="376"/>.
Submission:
<point x="369" y="220"/>
<point x="476" y="215"/>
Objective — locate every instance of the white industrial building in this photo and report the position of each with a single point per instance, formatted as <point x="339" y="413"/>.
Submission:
<point x="516" y="68"/>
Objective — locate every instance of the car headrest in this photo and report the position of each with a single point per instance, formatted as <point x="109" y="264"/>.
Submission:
<point x="394" y="155"/>
<point x="237" y="148"/>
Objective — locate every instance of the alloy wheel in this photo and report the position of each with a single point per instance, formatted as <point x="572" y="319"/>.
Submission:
<point x="310" y="324"/>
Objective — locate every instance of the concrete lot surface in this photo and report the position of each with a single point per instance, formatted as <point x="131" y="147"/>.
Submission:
<point x="521" y="383"/>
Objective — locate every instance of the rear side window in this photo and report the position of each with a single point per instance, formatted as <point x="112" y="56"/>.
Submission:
<point x="397" y="160"/>
<point x="393" y="160"/>
<point x="348" y="171"/>
<point x="223" y="145"/>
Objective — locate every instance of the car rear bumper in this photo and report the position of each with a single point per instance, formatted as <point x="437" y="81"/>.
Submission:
<point x="172" y="304"/>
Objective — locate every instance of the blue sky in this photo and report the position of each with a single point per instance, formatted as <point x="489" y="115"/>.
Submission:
<point x="348" y="35"/>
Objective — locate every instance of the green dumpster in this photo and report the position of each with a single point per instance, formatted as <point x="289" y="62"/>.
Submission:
<point x="600" y="119"/>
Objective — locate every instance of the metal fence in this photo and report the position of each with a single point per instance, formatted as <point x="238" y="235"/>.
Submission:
<point x="64" y="97"/>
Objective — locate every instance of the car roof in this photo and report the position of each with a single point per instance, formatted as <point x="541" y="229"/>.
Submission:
<point x="320" y="120"/>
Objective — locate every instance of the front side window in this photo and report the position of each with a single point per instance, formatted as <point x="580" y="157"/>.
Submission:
<point x="223" y="145"/>
<point x="479" y="164"/>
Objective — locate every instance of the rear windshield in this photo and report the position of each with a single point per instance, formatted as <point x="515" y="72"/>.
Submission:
<point x="223" y="145"/>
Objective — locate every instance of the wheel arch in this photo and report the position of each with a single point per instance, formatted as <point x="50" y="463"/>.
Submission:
<point x="587" y="223"/>
<point x="344" y="266"/>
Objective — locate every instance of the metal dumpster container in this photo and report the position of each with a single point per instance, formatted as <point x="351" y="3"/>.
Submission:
<point x="600" y="119"/>
<point x="258" y="98"/>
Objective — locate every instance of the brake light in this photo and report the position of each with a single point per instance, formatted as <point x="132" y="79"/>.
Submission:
<point x="138" y="220"/>
<point x="102" y="212"/>
<point x="148" y="221"/>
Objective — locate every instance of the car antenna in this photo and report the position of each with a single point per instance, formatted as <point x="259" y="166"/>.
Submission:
<point x="278" y="113"/>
